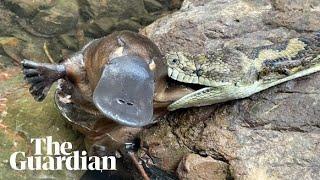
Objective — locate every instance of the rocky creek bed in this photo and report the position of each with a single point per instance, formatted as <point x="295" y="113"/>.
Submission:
<point x="50" y="31"/>
<point x="271" y="135"/>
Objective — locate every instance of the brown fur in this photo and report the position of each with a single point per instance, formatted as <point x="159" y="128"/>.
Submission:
<point x="99" y="52"/>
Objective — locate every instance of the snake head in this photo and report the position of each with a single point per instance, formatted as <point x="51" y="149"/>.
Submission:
<point x="178" y="59"/>
<point x="180" y="66"/>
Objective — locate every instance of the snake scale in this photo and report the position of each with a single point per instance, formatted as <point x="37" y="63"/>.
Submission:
<point x="229" y="74"/>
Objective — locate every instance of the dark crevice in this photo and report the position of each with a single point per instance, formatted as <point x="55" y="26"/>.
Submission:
<point x="261" y="127"/>
<point x="297" y="92"/>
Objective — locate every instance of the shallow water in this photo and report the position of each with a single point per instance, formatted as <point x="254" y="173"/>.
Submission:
<point x="51" y="31"/>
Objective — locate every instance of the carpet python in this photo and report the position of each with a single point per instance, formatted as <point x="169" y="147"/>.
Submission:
<point x="229" y="74"/>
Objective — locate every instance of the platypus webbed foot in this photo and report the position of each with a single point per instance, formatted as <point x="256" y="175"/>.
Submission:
<point x="41" y="76"/>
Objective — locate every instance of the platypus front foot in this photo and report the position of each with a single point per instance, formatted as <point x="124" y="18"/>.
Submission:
<point x="41" y="76"/>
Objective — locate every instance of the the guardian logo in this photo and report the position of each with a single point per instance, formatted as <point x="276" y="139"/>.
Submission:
<point x="58" y="156"/>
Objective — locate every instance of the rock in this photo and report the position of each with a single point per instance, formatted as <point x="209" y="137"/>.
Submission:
<point x="271" y="135"/>
<point x="161" y="142"/>
<point x="59" y="19"/>
<point x="113" y="8"/>
<point x="152" y="5"/>
<point x="103" y="17"/>
<point x="171" y="4"/>
<point x="18" y="125"/>
<point x="58" y="23"/>
<point x="294" y="5"/>
<point x="11" y="47"/>
<point x="297" y="15"/>
<point x="299" y="21"/>
<point x="26" y="28"/>
<point x="101" y="26"/>
<point x="69" y="41"/>
<point x="33" y="48"/>
<point x="193" y="166"/>
<point x="128" y="24"/>
<point x="176" y="4"/>
<point x="105" y="25"/>
<point x="5" y="62"/>
<point x="27" y="8"/>
<point x="7" y="23"/>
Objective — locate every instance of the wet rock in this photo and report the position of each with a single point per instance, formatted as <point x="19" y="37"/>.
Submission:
<point x="11" y="47"/>
<point x="26" y="7"/>
<point x="5" y="62"/>
<point x="18" y="125"/>
<point x="35" y="50"/>
<point x="37" y="30"/>
<point x="128" y="25"/>
<point x="113" y="8"/>
<point x="69" y="41"/>
<point x="66" y="25"/>
<point x="7" y="23"/>
<point x="105" y="25"/>
<point x="176" y="4"/>
<point x="193" y="166"/>
<point x="59" y="19"/>
<point x="101" y="26"/>
<point x="171" y="4"/>
<point x="103" y="17"/>
<point x="271" y="135"/>
<point x="152" y="5"/>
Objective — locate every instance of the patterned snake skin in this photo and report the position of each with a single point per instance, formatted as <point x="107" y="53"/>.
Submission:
<point x="242" y="72"/>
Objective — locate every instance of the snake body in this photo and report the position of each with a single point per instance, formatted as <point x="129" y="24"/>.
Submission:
<point x="230" y="74"/>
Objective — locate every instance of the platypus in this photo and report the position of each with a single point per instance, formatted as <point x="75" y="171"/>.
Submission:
<point x="122" y="76"/>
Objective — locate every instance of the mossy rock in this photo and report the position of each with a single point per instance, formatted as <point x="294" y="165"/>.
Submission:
<point x="22" y="119"/>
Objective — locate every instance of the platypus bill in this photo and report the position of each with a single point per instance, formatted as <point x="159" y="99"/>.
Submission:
<point x="122" y="76"/>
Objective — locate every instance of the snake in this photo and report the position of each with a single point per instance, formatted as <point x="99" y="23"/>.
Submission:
<point x="235" y="73"/>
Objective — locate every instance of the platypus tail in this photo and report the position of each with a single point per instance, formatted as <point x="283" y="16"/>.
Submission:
<point x="41" y="76"/>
